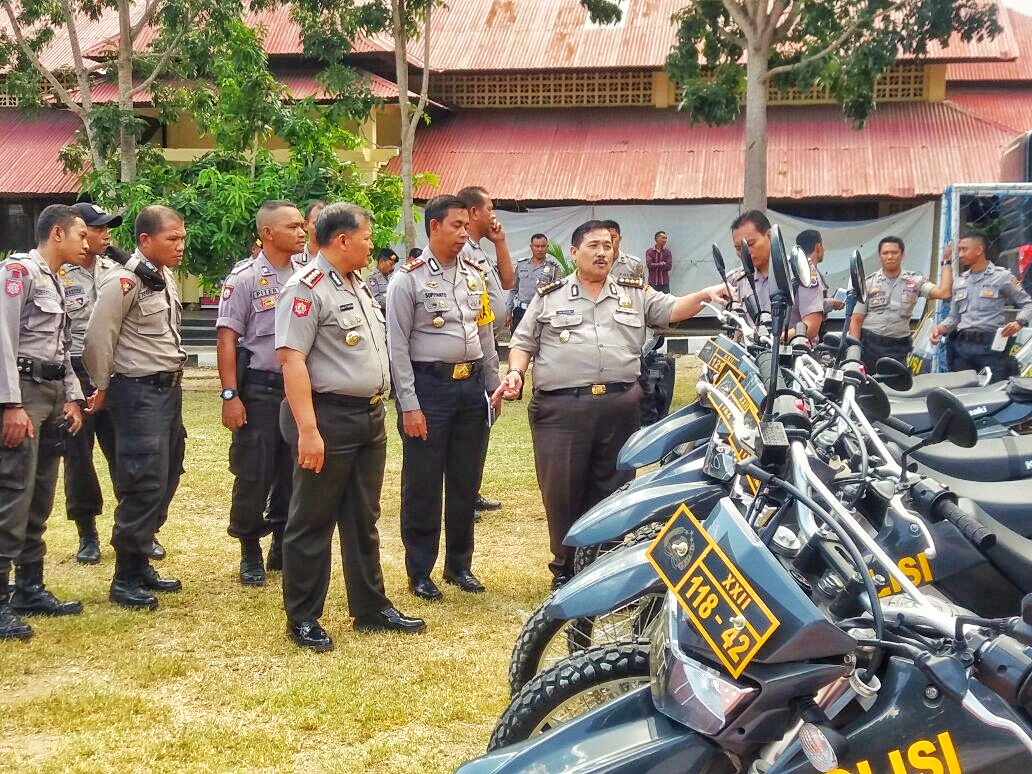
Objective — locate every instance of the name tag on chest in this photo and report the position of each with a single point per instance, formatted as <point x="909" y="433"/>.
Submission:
<point x="566" y="319"/>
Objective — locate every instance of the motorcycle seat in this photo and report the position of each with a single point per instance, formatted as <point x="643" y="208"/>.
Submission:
<point x="925" y="383"/>
<point x="1012" y="553"/>
<point x="979" y="403"/>
<point x="1009" y="503"/>
<point x="1019" y="389"/>
<point x="1006" y="458"/>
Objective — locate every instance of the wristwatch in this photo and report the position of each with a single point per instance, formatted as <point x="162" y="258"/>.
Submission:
<point x="228" y="393"/>
<point x="515" y="371"/>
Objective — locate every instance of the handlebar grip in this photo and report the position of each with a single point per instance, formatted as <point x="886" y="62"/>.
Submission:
<point x="971" y="528"/>
<point x="852" y="353"/>
<point x="899" y="425"/>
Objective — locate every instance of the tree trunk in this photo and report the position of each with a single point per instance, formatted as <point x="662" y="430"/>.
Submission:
<point x="407" y="137"/>
<point x="126" y="129"/>
<point x="754" y="194"/>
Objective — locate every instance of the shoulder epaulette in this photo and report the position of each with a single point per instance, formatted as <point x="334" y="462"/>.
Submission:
<point x="473" y="263"/>
<point x="412" y="263"/>
<point x="239" y="266"/>
<point x="734" y="275"/>
<point x="312" y="277"/>
<point x="631" y="282"/>
<point x="544" y="290"/>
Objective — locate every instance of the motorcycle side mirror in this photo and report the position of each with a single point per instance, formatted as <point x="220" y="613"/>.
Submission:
<point x="746" y="256"/>
<point x="857" y="277"/>
<point x="894" y="374"/>
<point x="718" y="262"/>
<point x="752" y="306"/>
<point x="952" y="421"/>
<point x="780" y="271"/>
<point x="800" y="267"/>
<point x="873" y="401"/>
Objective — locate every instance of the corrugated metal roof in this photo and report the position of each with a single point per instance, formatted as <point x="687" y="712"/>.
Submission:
<point x="626" y="154"/>
<point x="1020" y="27"/>
<point x="28" y="152"/>
<point x="1009" y="107"/>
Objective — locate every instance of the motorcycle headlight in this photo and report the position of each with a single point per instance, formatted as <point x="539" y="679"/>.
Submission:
<point x="684" y="688"/>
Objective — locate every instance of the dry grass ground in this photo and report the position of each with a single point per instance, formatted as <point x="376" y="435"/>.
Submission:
<point x="209" y="682"/>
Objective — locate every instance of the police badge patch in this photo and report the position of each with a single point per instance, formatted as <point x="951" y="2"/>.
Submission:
<point x="301" y="307"/>
<point x="126" y="284"/>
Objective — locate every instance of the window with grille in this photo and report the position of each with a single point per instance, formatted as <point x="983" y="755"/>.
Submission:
<point x="7" y="100"/>
<point x="544" y="89"/>
<point x="902" y="83"/>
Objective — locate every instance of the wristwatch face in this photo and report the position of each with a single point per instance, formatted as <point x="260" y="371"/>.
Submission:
<point x="228" y="394"/>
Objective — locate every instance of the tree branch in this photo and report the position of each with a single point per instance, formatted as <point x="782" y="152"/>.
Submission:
<point x="424" y="86"/>
<point x="846" y="33"/>
<point x="741" y="17"/>
<point x="158" y="68"/>
<point x="81" y="73"/>
<point x="144" y="20"/>
<point x="60" y="91"/>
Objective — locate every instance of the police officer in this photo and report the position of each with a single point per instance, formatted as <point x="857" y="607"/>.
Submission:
<point x="500" y="277"/>
<point x="252" y="388"/>
<point x="312" y="210"/>
<point x="882" y="323"/>
<point x="585" y="333"/>
<point x="976" y="314"/>
<point x="811" y="243"/>
<point x="754" y="228"/>
<point x="625" y="264"/>
<point x="134" y="355"/>
<point x="377" y="280"/>
<point x="442" y="358"/>
<point x="331" y="343"/>
<point x="539" y="269"/>
<point x="38" y="390"/>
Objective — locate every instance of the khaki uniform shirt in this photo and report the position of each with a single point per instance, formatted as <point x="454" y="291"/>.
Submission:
<point x="303" y="258"/>
<point x="425" y="291"/>
<point x="489" y="267"/>
<point x="529" y="276"/>
<point x="890" y="302"/>
<point x="134" y="331"/>
<point x="377" y="283"/>
<point x="33" y="323"/>
<point x="248" y="306"/>
<point x="807" y="300"/>
<point x="80" y="289"/>
<point x="979" y="299"/>
<point x="335" y="322"/>
<point x="577" y="341"/>
<point x="628" y="266"/>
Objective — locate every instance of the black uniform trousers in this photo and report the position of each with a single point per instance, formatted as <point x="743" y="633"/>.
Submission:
<point x="448" y="463"/>
<point x="576" y="443"/>
<point x="261" y="461"/>
<point x="873" y="347"/>
<point x="972" y="350"/>
<point x="28" y="476"/>
<point x="150" y="444"/>
<point x="83" y="497"/>
<point x="345" y="494"/>
<point x="517" y="316"/>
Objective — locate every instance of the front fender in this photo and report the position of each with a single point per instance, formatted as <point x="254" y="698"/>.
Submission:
<point x="626" y="510"/>
<point x="614" y="580"/>
<point x="694" y="422"/>
<point x="624" y="736"/>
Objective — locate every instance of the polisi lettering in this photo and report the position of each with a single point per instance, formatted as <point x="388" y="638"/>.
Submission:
<point x="917" y="570"/>
<point x="924" y="756"/>
<point x="734" y="589"/>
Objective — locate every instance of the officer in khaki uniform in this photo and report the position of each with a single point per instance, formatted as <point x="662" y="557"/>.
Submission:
<point x="882" y="323"/>
<point x="442" y="357"/>
<point x="539" y="269"/>
<point x="135" y="357"/>
<point x="252" y="389"/>
<point x="332" y="345"/>
<point x="378" y="280"/>
<point x="38" y="391"/>
<point x="585" y="333"/>
<point x="977" y="312"/>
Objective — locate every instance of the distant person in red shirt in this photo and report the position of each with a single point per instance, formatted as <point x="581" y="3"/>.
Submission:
<point x="660" y="262"/>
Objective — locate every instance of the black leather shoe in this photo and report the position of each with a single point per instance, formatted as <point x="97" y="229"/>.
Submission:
<point x="390" y="619"/>
<point x="11" y="626"/>
<point x="149" y="579"/>
<point x="309" y="634"/>
<point x="481" y="503"/>
<point x="465" y="580"/>
<point x="128" y="592"/>
<point x="477" y="517"/>
<point x="89" y="542"/>
<point x="424" y="588"/>
<point x="252" y="568"/>
<point x="157" y="551"/>
<point x="35" y="599"/>
<point x="560" y="580"/>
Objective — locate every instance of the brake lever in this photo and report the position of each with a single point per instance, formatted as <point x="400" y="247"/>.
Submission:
<point x="739" y="428"/>
<point x="979" y="711"/>
<point x="898" y="508"/>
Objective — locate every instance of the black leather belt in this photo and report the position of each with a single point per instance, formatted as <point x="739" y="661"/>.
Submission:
<point x="592" y="389"/>
<point x="40" y="370"/>
<point x="160" y="379"/>
<point x="457" y="372"/>
<point x="981" y="337"/>
<point x="885" y="341"/>
<point x="348" y="401"/>
<point x="267" y="378"/>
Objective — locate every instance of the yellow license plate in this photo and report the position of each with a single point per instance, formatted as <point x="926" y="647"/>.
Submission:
<point x="723" y="606"/>
<point x="732" y="387"/>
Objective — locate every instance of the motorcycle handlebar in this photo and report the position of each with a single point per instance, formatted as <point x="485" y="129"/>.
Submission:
<point x="971" y="528"/>
<point x="899" y="425"/>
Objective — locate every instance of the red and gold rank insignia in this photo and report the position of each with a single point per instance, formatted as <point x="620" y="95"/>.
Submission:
<point x="301" y="307"/>
<point x="126" y="284"/>
<point x="227" y="291"/>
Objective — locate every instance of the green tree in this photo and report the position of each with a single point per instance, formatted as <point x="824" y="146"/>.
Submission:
<point x="185" y="31"/>
<point x="727" y="52"/>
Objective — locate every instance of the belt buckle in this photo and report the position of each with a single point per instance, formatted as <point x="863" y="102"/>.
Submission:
<point x="598" y="389"/>
<point x="375" y="399"/>
<point x="461" y="371"/>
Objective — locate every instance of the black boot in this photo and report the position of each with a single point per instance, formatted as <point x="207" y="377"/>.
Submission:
<point x="11" y="626"/>
<point x="275" y="558"/>
<point x="127" y="586"/>
<point x="89" y="541"/>
<point x="252" y="569"/>
<point x="31" y="597"/>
